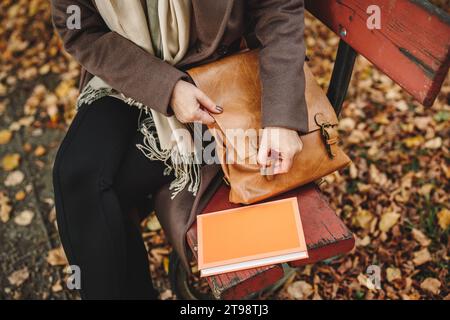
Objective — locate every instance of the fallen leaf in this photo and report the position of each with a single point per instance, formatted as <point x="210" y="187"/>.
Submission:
<point x="27" y="147"/>
<point x="153" y="223"/>
<point x="365" y="281"/>
<point x="388" y="220"/>
<point x="431" y="285"/>
<point x="401" y="105"/>
<point x="435" y="143"/>
<point x="444" y="218"/>
<point x="24" y="218"/>
<point x="14" y="178"/>
<point x="420" y="237"/>
<point x="20" y="195"/>
<point x="57" y="257"/>
<point x="159" y="253"/>
<point x="5" y="136"/>
<point x="166" y="295"/>
<point x="363" y="242"/>
<point x="18" y="277"/>
<point x="381" y="118"/>
<point x="166" y="264"/>
<point x="446" y="170"/>
<point x="356" y="137"/>
<point x="300" y="290"/>
<point x="10" y="161"/>
<point x="425" y="190"/>
<point x="441" y="116"/>
<point x="5" y="208"/>
<point x="347" y="124"/>
<point x="39" y="151"/>
<point x="63" y="88"/>
<point x="376" y="176"/>
<point x="363" y="219"/>
<point x="413" y="141"/>
<point x="353" y="171"/>
<point x="422" y="123"/>
<point x="421" y="257"/>
<point x="57" y="287"/>
<point x="393" y="274"/>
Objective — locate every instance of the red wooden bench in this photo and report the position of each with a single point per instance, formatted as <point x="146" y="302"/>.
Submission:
<point x="413" y="49"/>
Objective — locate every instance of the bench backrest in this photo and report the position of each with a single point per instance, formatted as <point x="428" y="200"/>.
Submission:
<point x="412" y="46"/>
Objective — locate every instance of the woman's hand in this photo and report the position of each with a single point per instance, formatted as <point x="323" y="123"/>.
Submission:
<point x="277" y="149"/>
<point x="190" y="104"/>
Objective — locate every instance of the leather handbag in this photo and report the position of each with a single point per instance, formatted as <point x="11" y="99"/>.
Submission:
<point x="233" y="83"/>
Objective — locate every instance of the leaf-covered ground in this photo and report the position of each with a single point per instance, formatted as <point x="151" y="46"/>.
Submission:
<point x="394" y="196"/>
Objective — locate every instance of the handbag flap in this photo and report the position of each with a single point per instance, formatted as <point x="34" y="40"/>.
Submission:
<point x="233" y="83"/>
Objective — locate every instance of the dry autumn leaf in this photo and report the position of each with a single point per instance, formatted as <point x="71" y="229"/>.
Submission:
<point x="444" y="218"/>
<point x="435" y="143"/>
<point x="57" y="287"/>
<point x="393" y="274"/>
<point x="57" y="257"/>
<point x="20" y="195"/>
<point x="421" y="257"/>
<point x="422" y="123"/>
<point x="39" y="151"/>
<point x="10" y="161"/>
<point x="363" y="242"/>
<point x="431" y="285"/>
<point x="166" y="295"/>
<point x="413" y="142"/>
<point x="376" y="176"/>
<point x="5" y="136"/>
<point x="24" y="218"/>
<point x="18" y="277"/>
<point x="300" y="290"/>
<point x="365" y="281"/>
<point x="153" y="223"/>
<point x="5" y="208"/>
<point x="388" y="220"/>
<point x="347" y="124"/>
<point x="14" y="178"/>
<point x="420" y="237"/>
<point x="363" y="219"/>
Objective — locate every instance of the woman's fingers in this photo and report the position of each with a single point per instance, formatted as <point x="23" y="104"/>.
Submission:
<point x="284" y="165"/>
<point x="207" y="103"/>
<point x="203" y="117"/>
<point x="278" y="148"/>
<point x="263" y="153"/>
<point x="190" y="104"/>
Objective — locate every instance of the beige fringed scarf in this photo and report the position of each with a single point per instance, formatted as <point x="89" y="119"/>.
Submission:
<point x="166" y="35"/>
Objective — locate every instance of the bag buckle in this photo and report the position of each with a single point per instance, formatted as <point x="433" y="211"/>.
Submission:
<point x="329" y="134"/>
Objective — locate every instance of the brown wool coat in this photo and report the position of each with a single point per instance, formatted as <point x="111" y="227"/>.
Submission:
<point x="216" y="26"/>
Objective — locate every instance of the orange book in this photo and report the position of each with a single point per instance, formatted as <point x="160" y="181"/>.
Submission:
<point x="250" y="236"/>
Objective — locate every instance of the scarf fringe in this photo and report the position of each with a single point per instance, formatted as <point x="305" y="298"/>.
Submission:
<point x="184" y="166"/>
<point x="90" y="94"/>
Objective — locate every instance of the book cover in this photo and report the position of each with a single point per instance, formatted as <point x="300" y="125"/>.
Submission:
<point x="250" y="236"/>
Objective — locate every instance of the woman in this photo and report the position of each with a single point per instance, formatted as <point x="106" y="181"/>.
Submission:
<point x="134" y="52"/>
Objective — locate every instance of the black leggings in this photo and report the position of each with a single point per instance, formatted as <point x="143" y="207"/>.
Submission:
<point x="99" y="177"/>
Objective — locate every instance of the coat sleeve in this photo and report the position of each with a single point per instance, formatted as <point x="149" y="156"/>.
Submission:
<point x="279" y="26"/>
<point x="119" y="62"/>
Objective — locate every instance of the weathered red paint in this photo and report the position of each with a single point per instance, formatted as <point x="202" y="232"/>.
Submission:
<point x="325" y="235"/>
<point x="412" y="47"/>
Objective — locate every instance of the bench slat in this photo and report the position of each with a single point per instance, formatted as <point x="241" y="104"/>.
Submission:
<point x="412" y="47"/>
<point x="325" y="234"/>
